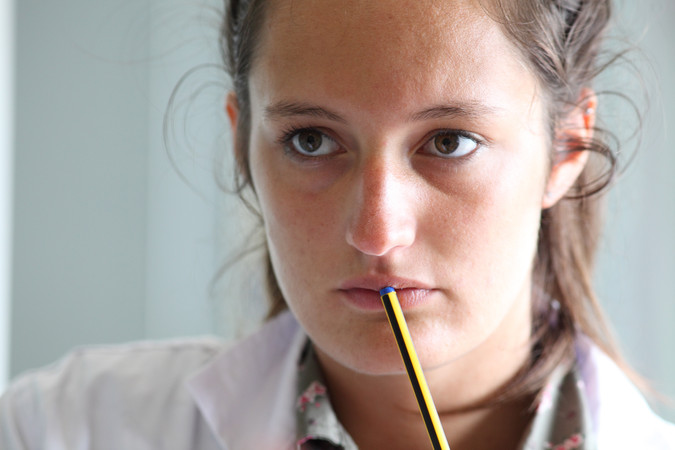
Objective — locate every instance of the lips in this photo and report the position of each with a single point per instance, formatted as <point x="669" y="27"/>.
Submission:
<point x="364" y="292"/>
<point x="377" y="282"/>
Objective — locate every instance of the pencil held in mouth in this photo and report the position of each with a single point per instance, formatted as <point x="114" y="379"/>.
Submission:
<point x="414" y="369"/>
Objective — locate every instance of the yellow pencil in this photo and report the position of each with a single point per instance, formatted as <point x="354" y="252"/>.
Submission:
<point x="414" y="369"/>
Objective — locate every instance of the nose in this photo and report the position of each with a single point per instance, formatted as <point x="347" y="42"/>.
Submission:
<point x="382" y="213"/>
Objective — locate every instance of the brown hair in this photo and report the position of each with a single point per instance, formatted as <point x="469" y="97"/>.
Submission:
<point x="561" y="41"/>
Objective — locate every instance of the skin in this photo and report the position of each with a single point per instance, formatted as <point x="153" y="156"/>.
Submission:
<point x="382" y="205"/>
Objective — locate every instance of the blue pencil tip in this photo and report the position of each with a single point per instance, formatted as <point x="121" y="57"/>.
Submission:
<point x="386" y="290"/>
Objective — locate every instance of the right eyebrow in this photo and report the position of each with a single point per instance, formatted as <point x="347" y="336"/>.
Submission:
<point x="284" y="109"/>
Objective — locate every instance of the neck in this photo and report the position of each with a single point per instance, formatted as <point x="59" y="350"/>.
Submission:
<point x="380" y="411"/>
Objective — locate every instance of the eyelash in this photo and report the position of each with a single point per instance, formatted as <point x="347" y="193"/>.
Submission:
<point x="289" y="133"/>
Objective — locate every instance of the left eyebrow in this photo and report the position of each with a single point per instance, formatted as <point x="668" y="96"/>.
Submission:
<point x="467" y="110"/>
<point x="290" y="109"/>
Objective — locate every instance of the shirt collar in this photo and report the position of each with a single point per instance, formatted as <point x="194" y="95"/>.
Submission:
<point x="239" y="393"/>
<point x="315" y="419"/>
<point x="562" y="420"/>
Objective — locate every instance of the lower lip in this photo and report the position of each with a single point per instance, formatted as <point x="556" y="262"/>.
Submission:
<point x="369" y="300"/>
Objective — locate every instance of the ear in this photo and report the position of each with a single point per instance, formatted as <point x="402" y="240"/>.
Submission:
<point x="568" y="163"/>
<point x="232" y="110"/>
<point x="233" y="113"/>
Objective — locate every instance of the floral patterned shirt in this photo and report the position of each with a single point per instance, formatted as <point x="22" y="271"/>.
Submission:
<point x="561" y="422"/>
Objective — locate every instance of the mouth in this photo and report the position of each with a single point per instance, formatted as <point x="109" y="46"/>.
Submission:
<point x="364" y="293"/>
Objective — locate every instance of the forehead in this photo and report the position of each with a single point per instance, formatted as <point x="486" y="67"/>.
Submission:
<point x="399" y="49"/>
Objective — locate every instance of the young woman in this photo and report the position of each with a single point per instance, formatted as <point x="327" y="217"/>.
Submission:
<point x="442" y="148"/>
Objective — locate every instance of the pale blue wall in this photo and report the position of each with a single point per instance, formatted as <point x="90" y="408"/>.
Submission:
<point x="636" y="276"/>
<point x="6" y="178"/>
<point x="80" y="182"/>
<point x="110" y="243"/>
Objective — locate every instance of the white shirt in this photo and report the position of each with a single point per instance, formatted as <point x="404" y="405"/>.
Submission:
<point x="204" y="395"/>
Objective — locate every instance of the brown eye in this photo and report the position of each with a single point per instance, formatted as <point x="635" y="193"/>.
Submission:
<point x="446" y="143"/>
<point x="451" y="144"/>
<point x="313" y="143"/>
<point x="309" y="141"/>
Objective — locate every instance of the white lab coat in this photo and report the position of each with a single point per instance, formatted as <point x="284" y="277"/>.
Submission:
<point x="203" y="395"/>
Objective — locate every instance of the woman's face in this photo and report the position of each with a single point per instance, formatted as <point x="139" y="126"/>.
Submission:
<point x="398" y="143"/>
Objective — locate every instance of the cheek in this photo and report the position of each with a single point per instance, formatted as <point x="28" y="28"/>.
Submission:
<point x="488" y="220"/>
<point x="296" y="223"/>
<point x="510" y="226"/>
<point x="300" y="227"/>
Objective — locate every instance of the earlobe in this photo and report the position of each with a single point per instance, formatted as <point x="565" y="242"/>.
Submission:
<point x="569" y="160"/>
<point x="563" y="175"/>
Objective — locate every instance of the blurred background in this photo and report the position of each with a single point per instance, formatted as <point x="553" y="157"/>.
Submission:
<point x="107" y="235"/>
